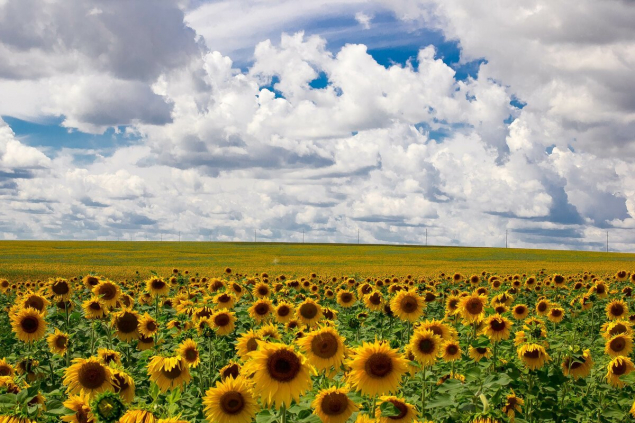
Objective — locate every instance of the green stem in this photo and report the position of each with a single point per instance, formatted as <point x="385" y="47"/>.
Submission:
<point x="283" y="414"/>
<point x="423" y="390"/>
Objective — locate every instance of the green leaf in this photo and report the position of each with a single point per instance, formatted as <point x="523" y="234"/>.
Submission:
<point x="441" y="400"/>
<point x="388" y="409"/>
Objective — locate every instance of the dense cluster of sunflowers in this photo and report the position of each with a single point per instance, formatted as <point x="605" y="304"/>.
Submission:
<point x="242" y="348"/>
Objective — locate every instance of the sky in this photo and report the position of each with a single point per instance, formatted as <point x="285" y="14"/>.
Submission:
<point x="399" y="121"/>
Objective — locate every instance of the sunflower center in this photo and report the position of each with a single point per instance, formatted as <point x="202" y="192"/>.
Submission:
<point x="346" y="297"/>
<point x="618" y="344"/>
<point x="252" y="344"/>
<point x="375" y="299"/>
<point x="92" y="375"/>
<point x="452" y="349"/>
<point x="261" y="309"/>
<point x="575" y="365"/>
<point x="60" y="288"/>
<point x="221" y="320"/>
<point x="151" y="326"/>
<point x="35" y="302"/>
<point x="556" y="312"/>
<point x="481" y="350"/>
<point x="232" y="402"/>
<point x="378" y="365"/>
<point x="60" y="342"/>
<point x="409" y="304"/>
<point x="107" y="291"/>
<point x="324" y="345"/>
<point x="157" y="284"/>
<point x="283" y="366"/>
<point x="92" y="281"/>
<point x="5" y="370"/>
<point x="283" y="311"/>
<point x="231" y="371"/>
<point x="94" y="306"/>
<point x="619" y="369"/>
<point x="600" y="289"/>
<point x="109" y="358"/>
<point x="191" y="354"/>
<point x="426" y="345"/>
<point x="334" y="404"/>
<point x="497" y="325"/>
<point x="520" y="310"/>
<point x="452" y="305"/>
<point x="30" y="324"/>
<point x="146" y="340"/>
<point x="403" y="410"/>
<point x="308" y="310"/>
<point x="617" y="309"/>
<point x="542" y="306"/>
<point x="532" y="354"/>
<point x="474" y="306"/>
<point x="120" y="384"/>
<point x="127" y="323"/>
<point x="617" y="329"/>
<point x="224" y="298"/>
<point x="173" y="373"/>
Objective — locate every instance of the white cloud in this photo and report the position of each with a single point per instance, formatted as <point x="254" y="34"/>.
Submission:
<point x="363" y="19"/>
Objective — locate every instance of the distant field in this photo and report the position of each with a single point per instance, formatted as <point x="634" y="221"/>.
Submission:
<point x="22" y="260"/>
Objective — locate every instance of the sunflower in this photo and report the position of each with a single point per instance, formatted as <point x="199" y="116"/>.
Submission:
<point x="542" y="307"/>
<point x="497" y="327"/>
<point x="90" y="281"/>
<point x="138" y="416"/>
<point x="374" y="301"/>
<point x="406" y="412"/>
<point x="6" y="369"/>
<point x="89" y="376"/>
<point x="157" y="287"/>
<point x="260" y="310"/>
<point x="35" y="301"/>
<point x="108" y="293"/>
<point x="472" y="308"/>
<point x="284" y="311"/>
<point x="425" y="345"/>
<point x="28" y="324"/>
<point x="94" y="309"/>
<point x="269" y="332"/>
<point x="123" y="385"/>
<point x="346" y="298"/>
<point x="616" y="327"/>
<point x="332" y="405"/>
<point x="60" y="288"/>
<point x="148" y="327"/>
<point x="246" y="343"/>
<point x="261" y="290"/>
<point x="533" y="355"/>
<point x="230" y="401"/>
<point x="478" y="353"/>
<point x="280" y="374"/>
<point x="169" y="372"/>
<point x="579" y="368"/>
<point x="309" y="312"/>
<point x="108" y="356"/>
<point x="451" y="351"/>
<point x="224" y="300"/>
<point x="223" y="322"/>
<point x="556" y="314"/>
<point x="58" y="342"/>
<point x="324" y="348"/>
<point x="619" y="345"/>
<point x="231" y="369"/>
<point x="376" y="368"/>
<point x="408" y="305"/>
<point x="520" y="311"/>
<point x="188" y="350"/>
<point x="79" y="405"/>
<point x="442" y="330"/>
<point x="617" y="368"/>
<point x="126" y="322"/>
<point x="145" y="343"/>
<point x="512" y="406"/>
<point x="616" y="309"/>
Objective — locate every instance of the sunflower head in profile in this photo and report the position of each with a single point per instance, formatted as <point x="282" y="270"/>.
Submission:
<point x="28" y="324"/>
<point x="534" y="356"/>
<point x="231" y="369"/>
<point x="324" y="348"/>
<point x="479" y="353"/>
<point x="408" y="305"/>
<point x="123" y="385"/>
<point x="332" y="405"/>
<point x="94" y="309"/>
<point x="399" y="412"/>
<point x="58" y="342"/>
<point x="126" y="324"/>
<point x="79" y="405"/>
<point x="513" y="405"/>
<point x="472" y="308"/>
<point x="109" y="357"/>
<point x="346" y="298"/>
<point x="145" y="343"/>
<point x="618" y="367"/>
<point x="148" y="326"/>
<point x="260" y="310"/>
<point x="280" y="374"/>
<point x="616" y="309"/>
<point x="497" y="328"/>
<point x="108" y="407"/>
<point x="451" y="351"/>
<point x="247" y="343"/>
<point x="169" y="372"/>
<point x="108" y="292"/>
<point x="188" y="350"/>
<point x="309" y="312"/>
<point x="223" y="322"/>
<point x="376" y="368"/>
<point x="619" y="345"/>
<point x="89" y="376"/>
<point x="578" y="366"/>
<point x="230" y="401"/>
<point x="425" y="346"/>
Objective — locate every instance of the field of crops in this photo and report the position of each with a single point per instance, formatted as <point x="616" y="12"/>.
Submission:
<point x="389" y="342"/>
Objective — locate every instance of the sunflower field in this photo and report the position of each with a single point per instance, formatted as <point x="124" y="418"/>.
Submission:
<point x="265" y="348"/>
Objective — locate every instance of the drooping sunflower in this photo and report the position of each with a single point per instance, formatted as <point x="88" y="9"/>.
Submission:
<point x="407" y="412"/>
<point x="148" y="326"/>
<point x="58" y="342"/>
<point x="520" y="311"/>
<point x="28" y="324"/>
<point x="451" y="351"/>
<point x="512" y="406"/>
<point x="472" y="308"/>
<point x="6" y="369"/>
<point x="618" y="367"/>
<point x="157" y="287"/>
<point x="309" y="312"/>
<point x="108" y="292"/>
<point x="425" y="345"/>
<point x="556" y="314"/>
<point x="123" y="385"/>
<point x="479" y="353"/>
<point x="284" y="311"/>
<point x="324" y="348"/>
<point x="108" y="356"/>
<point x="223" y="322"/>
<point x="80" y="406"/>
<point x="188" y="349"/>
<point x="246" y="343"/>
<point x="89" y="376"/>
<point x="94" y="309"/>
<point x="408" y="305"/>
<point x="533" y="356"/>
<point x="230" y="401"/>
<point x="126" y="323"/>
<point x="261" y="310"/>
<point x="169" y="372"/>
<point x="579" y="368"/>
<point x="497" y="327"/>
<point x="376" y="368"/>
<point x="616" y="327"/>
<point x="346" y="298"/>
<point x="332" y="405"/>
<point x="280" y="374"/>
<point x="138" y="416"/>
<point x="231" y="369"/>
<point x="619" y="345"/>
<point x="616" y="309"/>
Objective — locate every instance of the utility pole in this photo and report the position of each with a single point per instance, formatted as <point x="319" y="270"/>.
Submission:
<point x="505" y="238"/>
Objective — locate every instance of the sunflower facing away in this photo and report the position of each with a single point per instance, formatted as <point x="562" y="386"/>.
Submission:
<point x="376" y="369"/>
<point x="332" y="405"/>
<point x="324" y="348"/>
<point x="230" y="401"/>
<point x="169" y="372"/>
<point x="89" y="376"/>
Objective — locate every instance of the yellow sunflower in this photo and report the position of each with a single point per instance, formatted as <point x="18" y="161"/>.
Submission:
<point x="148" y="327"/>
<point x="309" y="312"/>
<point x="231" y="369"/>
<point x="261" y="290"/>
<point x="126" y="323"/>
<point x="520" y="311"/>
<point x="260" y="310"/>
<point x="619" y="345"/>
<point x="230" y="401"/>
<point x="123" y="385"/>
<point x="479" y="353"/>
<point x="246" y="343"/>
<point x="542" y="307"/>
<point x="169" y="372"/>
<point x="442" y="330"/>
<point x="225" y="300"/>
<point x="284" y="311"/>
<point x="533" y="355"/>
<point x="94" y="309"/>
<point x="374" y="301"/>
<point x="425" y="346"/>
<point x="223" y="322"/>
<point x="28" y="324"/>
<point x="89" y="376"/>
<point x="157" y="287"/>
<point x="188" y="349"/>
<point x="616" y="309"/>
<point x="617" y="368"/>
<point x="497" y="327"/>
<point x="406" y="412"/>
<point x="451" y="351"/>
<point x="407" y="305"/>
<point x="61" y="289"/>
<point x="579" y="368"/>
<point x="332" y="405"/>
<point x="108" y="292"/>
<point x="79" y="405"/>
<point x="108" y="356"/>
<point x="376" y="369"/>
<point x="58" y="342"/>
<point x="346" y="298"/>
<point x="6" y="369"/>
<point x="556" y="314"/>
<point x="324" y="348"/>
<point x="138" y="416"/>
<point x="512" y="406"/>
<point x="472" y="308"/>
